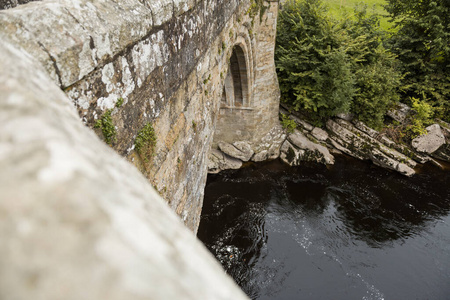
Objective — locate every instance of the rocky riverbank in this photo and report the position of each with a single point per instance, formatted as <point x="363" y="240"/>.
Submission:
<point x="341" y="135"/>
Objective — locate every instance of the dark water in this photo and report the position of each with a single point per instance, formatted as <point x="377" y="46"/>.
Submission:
<point x="354" y="231"/>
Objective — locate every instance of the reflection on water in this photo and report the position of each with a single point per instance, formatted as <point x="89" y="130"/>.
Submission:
<point x="353" y="231"/>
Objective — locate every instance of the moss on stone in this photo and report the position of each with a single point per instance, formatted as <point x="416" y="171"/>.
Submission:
<point x="119" y="102"/>
<point x="207" y="79"/>
<point x="105" y="123"/>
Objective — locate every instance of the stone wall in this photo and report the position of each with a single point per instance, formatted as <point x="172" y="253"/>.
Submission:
<point x="251" y="121"/>
<point x="161" y="63"/>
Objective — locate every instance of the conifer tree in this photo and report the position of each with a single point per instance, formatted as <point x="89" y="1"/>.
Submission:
<point x="422" y="43"/>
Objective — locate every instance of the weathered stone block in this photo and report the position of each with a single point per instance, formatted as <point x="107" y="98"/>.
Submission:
<point x="319" y="134"/>
<point x="400" y="113"/>
<point x="431" y="141"/>
<point x="312" y="151"/>
<point x="233" y="151"/>
<point x="219" y="161"/>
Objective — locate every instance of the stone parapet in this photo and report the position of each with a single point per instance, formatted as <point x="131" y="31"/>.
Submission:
<point x="77" y="220"/>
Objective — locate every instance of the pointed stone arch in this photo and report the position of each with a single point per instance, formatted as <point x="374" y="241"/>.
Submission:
<point x="237" y="84"/>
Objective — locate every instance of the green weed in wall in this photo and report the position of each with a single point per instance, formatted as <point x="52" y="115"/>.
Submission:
<point x="145" y="142"/>
<point x="105" y="123"/>
<point x="119" y="102"/>
<point x="256" y="7"/>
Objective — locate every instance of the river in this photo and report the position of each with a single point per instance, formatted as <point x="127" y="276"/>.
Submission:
<point x="350" y="231"/>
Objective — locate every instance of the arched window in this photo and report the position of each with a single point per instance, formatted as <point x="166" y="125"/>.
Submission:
<point x="235" y="93"/>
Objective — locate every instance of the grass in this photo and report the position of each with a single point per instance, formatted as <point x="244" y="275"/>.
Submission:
<point x="338" y="8"/>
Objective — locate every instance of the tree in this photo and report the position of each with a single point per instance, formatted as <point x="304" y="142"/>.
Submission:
<point x="422" y="43"/>
<point x="314" y="72"/>
<point x="326" y="67"/>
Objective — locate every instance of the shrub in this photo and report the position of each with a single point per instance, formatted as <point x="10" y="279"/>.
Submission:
<point x="288" y="124"/>
<point x="422" y="43"/>
<point x="422" y="117"/>
<point x="377" y="85"/>
<point x="326" y="67"/>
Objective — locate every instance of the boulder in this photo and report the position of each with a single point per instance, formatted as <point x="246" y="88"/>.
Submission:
<point x="431" y="141"/>
<point x="245" y="149"/>
<point x="305" y="125"/>
<point x="261" y="156"/>
<point x="345" y="116"/>
<point x="269" y="146"/>
<point x="366" y="129"/>
<point x="299" y="148"/>
<point x="274" y="151"/>
<point x="381" y="159"/>
<point x="219" y="161"/>
<point x="319" y="134"/>
<point x="244" y="152"/>
<point x="443" y="153"/>
<point x="346" y="141"/>
<point x="360" y="144"/>
<point x="400" y="112"/>
<point x="290" y="154"/>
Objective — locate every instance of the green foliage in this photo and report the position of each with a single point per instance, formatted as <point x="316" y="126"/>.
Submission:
<point x="423" y="113"/>
<point x="105" y="123"/>
<point x="377" y="90"/>
<point x="326" y="67"/>
<point x="119" y="102"/>
<point x="145" y="142"/>
<point x="422" y="43"/>
<point x="312" y="70"/>
<point x="288" y="124"/>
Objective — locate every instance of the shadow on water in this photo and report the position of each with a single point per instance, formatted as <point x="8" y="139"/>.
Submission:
<point x="270" y="224"/>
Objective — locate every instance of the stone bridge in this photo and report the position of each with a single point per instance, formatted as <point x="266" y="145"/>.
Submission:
<point x="160" y="82"/>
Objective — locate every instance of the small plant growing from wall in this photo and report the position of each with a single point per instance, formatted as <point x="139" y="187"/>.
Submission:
<point x="105" y="123"/>
<point x="145" y="142"/>
<point x="119" y="102"/>
<point x="194" y="126"/>
<point x="256" y="7"/>
<point x="288" y="124"/>
<point x="207" y="79"/>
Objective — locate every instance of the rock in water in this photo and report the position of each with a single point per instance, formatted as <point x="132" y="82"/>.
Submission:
<point x="239" y="150"/>
<point x="219" y="161"/>
<point x="299" y="148"/>
<point x="245" y="149"/>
